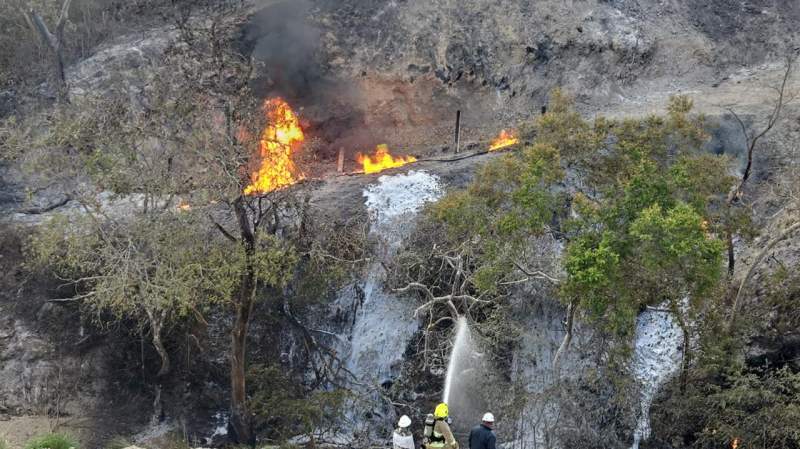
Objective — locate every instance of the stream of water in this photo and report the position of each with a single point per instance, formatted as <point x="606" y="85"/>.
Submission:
<point x="461" y="350"/>
<point x="468" y="380"/>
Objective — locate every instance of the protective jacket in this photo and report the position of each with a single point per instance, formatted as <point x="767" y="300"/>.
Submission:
<point x="442" y="436"/>
<point x="481" y="437"/>
<point x="402" y="439"/>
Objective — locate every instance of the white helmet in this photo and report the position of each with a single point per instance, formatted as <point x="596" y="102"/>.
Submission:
<point x="488" y="417"/>
<point x="405" y="421"/>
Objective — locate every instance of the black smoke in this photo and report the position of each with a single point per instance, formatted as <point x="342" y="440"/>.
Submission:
<point x="282" y="37"/>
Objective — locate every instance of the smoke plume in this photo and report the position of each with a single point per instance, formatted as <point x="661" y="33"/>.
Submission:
<point x="286" y="43"/>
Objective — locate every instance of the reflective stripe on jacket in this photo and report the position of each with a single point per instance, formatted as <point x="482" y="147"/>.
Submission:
<point x="442" y="436"/>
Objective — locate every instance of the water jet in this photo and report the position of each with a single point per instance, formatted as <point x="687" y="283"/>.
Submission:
<point x="467" y="379"/>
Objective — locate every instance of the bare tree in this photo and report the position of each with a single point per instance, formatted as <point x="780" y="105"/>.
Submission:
<point x="785" y="233"/>
<point x="788" y="193"/>
<point x="54" y="41"/>
<point x="752" y="138"/>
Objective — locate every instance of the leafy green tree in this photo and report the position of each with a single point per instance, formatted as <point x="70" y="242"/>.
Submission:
<point x="637" y="201"/>
<point x="755" y="407"/>
<point x="139" y="270"/>
<point x="285" y="409"/>
<point x="175" y="162"/>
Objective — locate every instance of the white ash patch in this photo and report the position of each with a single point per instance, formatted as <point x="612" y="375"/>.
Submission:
<point x="396" y="195"/>
<point x="656" y="357"/>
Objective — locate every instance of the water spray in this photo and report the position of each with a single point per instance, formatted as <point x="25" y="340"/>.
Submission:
<point x="457" y="353"/>
<point x="469" y="375"/>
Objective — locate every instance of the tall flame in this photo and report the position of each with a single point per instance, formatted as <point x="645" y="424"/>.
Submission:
<point x="735" y="443"/>
<point x="382" y="160"/>
<point x="280" y="137"/>
<point x="506" y="138"/>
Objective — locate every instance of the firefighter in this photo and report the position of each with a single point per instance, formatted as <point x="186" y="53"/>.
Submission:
<point x="482" y="436"/>
<point x="402" y="437"/>
<point x="439" y="435"/>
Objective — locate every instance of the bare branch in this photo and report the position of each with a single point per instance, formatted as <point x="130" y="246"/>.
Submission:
<point x="62" y="20"/>
<point x="536" y="274"/>
<point x="224" y="232"/>
<point x="433" y="300"/>
<point x="72" y="299"/>
<point x="735" y="308"/>
<point x="416" y="286"/>
<point x="49" y="39"/>
<point x="48" y="208"/>
<point x="774" y="116"/>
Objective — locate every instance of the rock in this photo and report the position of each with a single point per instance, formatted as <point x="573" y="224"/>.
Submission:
<point x="30" y="367"/>
<point x="124" y="64"/>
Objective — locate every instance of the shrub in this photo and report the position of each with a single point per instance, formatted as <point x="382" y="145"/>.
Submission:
<point x="52" y="441"/>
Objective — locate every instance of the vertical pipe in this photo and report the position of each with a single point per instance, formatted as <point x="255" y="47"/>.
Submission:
<point x="458" y="130"/>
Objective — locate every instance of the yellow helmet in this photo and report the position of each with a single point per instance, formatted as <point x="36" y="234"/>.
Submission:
<point x="441" y="411"/>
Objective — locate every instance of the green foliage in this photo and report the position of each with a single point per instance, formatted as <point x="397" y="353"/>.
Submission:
<point x="592" y="266"/>
<point x="563" y="128"/>
<point x="676" y="241"/>
<point x="510" y="201"/>
<point x="780" y="304"/>
<point x="145" y="265"/>
<point x="731" y="392"/>
<point x="52" y="441"/>
<point x="762" y="409"/>
<point x="218" y="265"/>
<point x="166" y="263"/>
<point x="759" y="407"/>
<point x="283" y="408"/>
<point x="648" y="237"/>
<point x="647" y="210"/>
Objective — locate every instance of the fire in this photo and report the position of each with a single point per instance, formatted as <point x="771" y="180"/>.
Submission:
<point x="281" y="136"/>
<point x="735" y="443"/>
<point x="184" y="206"/>
<point x="506" y="138"/>
<point x="382" y="160"/>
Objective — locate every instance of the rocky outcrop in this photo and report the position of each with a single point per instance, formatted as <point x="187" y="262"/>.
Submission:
<point x="125" y="65"/>
<point x="40" y="377"/>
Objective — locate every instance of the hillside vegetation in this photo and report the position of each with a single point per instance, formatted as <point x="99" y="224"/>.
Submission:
<point x="148" y="294"/>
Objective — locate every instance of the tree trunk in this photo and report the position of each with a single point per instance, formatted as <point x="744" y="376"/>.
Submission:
<point x="240" y="418"/>
<point x="731" y="254"/>
<point x="567" y="339"/>
<point x="162" y="352"/>
<point x="243" y="304"/>
<point x="55" y="42"/>
<point x="158" y="407"/>
<point x="156" y="325"/>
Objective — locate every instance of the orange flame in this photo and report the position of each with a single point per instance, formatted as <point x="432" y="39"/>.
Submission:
<point x="506" y="138"/>
<point x="184" y="206"/>
<point x="281" y="136"/>
<point x="735" y="443"/>
<point x="382" y="160"/>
